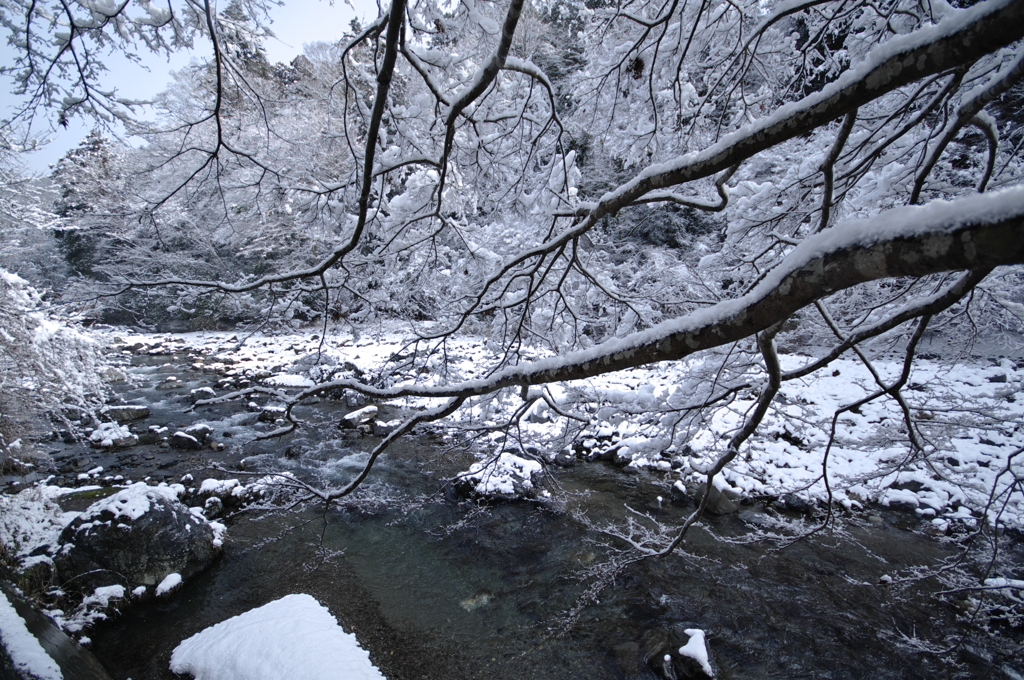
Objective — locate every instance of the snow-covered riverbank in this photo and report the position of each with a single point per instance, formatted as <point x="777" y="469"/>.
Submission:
<point x="967" y="417"/>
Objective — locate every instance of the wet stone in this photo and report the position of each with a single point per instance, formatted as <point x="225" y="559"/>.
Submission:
<point x="184" y="442"/>
<point x="795" y="503"/>
<point x="565" y="459"/>
<point x="720" y="502"/>
<point x="125" y="412"/>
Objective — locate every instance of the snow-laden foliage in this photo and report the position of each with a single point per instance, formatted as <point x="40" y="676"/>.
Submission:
<point x="698" y="186"/>
<point x="47" y="365"/>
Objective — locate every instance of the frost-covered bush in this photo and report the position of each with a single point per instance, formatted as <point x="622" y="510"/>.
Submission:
<point x="46" y="364"/>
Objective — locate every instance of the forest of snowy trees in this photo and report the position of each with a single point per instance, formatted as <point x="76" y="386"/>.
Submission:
<point x="613" y="185"/>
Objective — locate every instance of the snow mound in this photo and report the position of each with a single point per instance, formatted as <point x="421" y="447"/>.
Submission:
<point x="170" y="582"/>
<point x="696" y="649"/>
<point x="289" y="380"/>
<point x="293" y="637"/>
<point x="29" y="521"/>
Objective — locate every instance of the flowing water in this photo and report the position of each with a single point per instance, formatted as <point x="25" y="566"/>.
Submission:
<point x="438" y="586"/>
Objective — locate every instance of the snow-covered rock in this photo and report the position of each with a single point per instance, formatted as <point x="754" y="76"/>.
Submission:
<point x="722" y="501"/>
<point x="112" y="436"/>
<point x="33" y="648"/>
<point x="171" y="382"/>
<point x="191" y="438"/>
<point x="139" y="535"/>
<point x="185" y="442"/>
<point x="293" y="637"/>
<point x="202" y="393"/>
<point x="359" y="417"/>
<point x="507" y="476"/>
<point x="695" y="659"/>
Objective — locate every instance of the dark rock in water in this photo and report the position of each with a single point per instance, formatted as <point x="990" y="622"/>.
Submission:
<point x="363" y="416"/>
<point x="125" y="412"/>
<point x="720" y="502"/>
<point x="74" y="661"/>
<point x="201" y="431"/>
<point x="621" y="457"/>
<point x="565" y="458"/>
<point x="139" y="535"/>
<point x="184" y="442"/>
<point x="153" y="435"/>
<point x="170" y="383"/>
<point x="680" y="497"/>
<point x="201" y="393"/>
<point x="271" y="414"/>
<point x="795" y="503"/>
<point x="382" y="429"/>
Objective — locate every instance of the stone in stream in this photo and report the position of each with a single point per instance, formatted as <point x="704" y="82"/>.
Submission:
<point x="138" y="536"/>
<point x="200" y="393"/>
<point x="565" y="458"/>
<point x="184" y="442"/>
<point x="112" y="436"/>
<point x="271" y="414"/>
<point x="721" y="501"/>
<point x="192" y="438"/>
<point x="363" y="416"/>
<point x="382" y="429"/>
<point x="124" y="412"/>
<point x="170" y="383"/>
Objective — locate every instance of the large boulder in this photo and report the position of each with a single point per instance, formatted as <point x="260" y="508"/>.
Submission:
<point x="138" y="536"/>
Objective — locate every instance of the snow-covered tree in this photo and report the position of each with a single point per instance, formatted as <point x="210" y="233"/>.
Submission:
<point x="48" y="369"/>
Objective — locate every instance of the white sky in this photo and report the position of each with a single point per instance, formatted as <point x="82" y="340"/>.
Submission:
<point x="296" y="23"/>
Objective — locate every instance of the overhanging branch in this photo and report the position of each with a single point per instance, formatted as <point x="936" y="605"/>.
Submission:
<point x="974" y="233"/>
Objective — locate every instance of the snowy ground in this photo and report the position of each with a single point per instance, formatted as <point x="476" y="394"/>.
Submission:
<point x="968" y="416"/>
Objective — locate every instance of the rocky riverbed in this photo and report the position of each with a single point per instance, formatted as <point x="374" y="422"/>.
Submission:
<point x="437" y="582"/>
